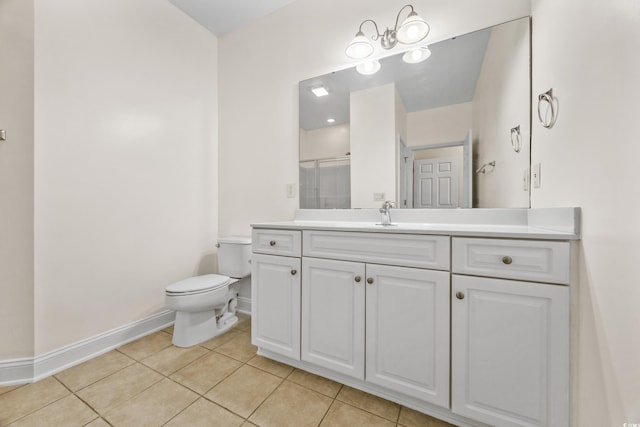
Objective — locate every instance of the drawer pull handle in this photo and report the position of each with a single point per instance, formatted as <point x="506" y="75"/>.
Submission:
<point x="370" y="280"/>
<point x="294" y="272"/>
<point x="507" y="260"/>
<point x="357" y="279"/>
<point x="460" y="295"/>
<point x="272" y="243"/>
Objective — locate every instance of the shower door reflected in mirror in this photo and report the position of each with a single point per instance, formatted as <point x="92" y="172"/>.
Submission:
<point x="325" y="184"/>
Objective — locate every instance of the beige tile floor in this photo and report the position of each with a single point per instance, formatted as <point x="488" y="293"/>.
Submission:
<point x="220" y="383"/>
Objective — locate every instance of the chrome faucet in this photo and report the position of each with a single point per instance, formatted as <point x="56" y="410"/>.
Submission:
<point x="385" y="210"/>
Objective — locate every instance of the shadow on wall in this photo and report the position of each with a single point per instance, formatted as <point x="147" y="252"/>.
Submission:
<point x="208" y="264"/>
<point x="595" y="389"/>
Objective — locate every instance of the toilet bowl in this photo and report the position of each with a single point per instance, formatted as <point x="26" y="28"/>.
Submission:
<point x="206" y="305"/>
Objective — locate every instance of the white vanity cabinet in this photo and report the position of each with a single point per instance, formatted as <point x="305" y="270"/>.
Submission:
<point x="275" y="290"/>
<point x="333" y="315"/>
<point x="407" y="331"/>
<point x="385" y="324"/>
<point x="510" y="338"/>
<point x="466" y="322"/>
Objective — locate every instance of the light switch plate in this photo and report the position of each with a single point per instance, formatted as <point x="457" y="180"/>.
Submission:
<point x="535" y="176"/>
<point x="378" y="197"/>
<point x="291" y="191"/>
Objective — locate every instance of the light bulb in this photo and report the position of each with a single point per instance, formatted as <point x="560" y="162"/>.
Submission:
<point x="368" y="67"/>
<point x="360" y="47"/>
<point x="412" y="30"/>
<point x="415" y="56"/>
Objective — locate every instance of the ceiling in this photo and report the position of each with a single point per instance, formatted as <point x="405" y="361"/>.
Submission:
<point x="223" y="16"/>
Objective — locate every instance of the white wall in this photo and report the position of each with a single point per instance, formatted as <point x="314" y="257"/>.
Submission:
<point x="400" y="115"/>
<point x="327" y="142"/>
<point x="125" y="162"/>
<point x="260" y="67"/>
<point x="439" y="125"/>
<point x="503" y="85"/>
<point x="587" y="51"/>
<point x="16" y="179"/>
<point x="373" y="149"/>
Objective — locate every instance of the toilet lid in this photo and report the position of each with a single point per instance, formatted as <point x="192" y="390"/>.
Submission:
<point x="207" y="282"/>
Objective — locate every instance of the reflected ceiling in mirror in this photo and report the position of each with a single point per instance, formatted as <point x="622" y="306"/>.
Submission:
<point x="479" y="82"/>
<point x="448" y="77"/>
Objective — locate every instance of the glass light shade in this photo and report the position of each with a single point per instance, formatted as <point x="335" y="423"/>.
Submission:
<point x="414" y="56"/>
<point x="368" y="67"/>
<point x="412" y="30"/>
<point x="360" y="47"/>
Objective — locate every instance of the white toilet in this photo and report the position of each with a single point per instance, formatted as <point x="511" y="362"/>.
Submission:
<point x="206" y="305"/>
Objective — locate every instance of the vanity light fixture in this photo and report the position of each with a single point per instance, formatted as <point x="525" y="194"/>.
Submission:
<point x="368" y="67"/>
<point x="412" y="30"/>
<point x="320" y="91"/>
<point x="331" y="120"/>
<point x="416" y="55"/>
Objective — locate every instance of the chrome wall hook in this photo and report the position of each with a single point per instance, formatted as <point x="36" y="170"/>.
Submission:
<point x="547" y="98"/>
<point x="516" y="139"/>
<point x="483" y="168"/>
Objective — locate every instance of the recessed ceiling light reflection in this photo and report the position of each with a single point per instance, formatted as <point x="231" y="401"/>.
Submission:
<point x="320" y="91"/>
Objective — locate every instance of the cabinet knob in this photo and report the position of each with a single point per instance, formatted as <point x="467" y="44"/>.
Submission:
<point x="370" y="280"/>
<point x="294" y="272"/>
<point x="460" y="295"/>
<point x="357" y="279"/>
<point x="507" y="260"/>
<point x="272" y="243"/>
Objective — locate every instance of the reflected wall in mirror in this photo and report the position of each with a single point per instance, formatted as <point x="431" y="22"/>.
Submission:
<point x="420" y="134"/>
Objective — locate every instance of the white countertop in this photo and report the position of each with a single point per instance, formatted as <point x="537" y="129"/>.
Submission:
<point x="548" y="224"/>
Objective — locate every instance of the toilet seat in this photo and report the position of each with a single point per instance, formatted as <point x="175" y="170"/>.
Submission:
<point x="198" y="285"/>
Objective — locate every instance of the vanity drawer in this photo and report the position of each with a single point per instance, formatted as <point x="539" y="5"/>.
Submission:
<point x="408" y="250"/>
<point x="538" y="261"/>
<point x="276" y="242"/>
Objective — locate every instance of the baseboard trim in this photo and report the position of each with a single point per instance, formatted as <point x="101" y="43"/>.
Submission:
<point x="244" y="305"/>
<point x="22" y="371"/>
<point x="15" y="372"/>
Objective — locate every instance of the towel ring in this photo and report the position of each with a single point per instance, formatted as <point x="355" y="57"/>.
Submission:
<point x="516" y="139"/>
<point x="547" y="98"/>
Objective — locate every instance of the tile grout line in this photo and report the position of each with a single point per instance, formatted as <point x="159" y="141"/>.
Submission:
<point x="329" y="408"/>
<point x="202" y="395"/>
<point x="42" y="407"/>
<point x="103" y="415"/>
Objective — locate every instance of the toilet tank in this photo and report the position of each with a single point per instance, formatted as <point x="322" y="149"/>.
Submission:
<point x="234" y="254"/>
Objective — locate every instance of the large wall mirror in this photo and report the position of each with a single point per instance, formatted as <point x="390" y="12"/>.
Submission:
<point x="452" y="131"/>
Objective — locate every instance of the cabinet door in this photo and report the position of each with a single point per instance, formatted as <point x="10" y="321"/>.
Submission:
<point x="510" y="352"/>
<point x="408" y="331"/>
<point x="275" y="289"/>
<point x="333" y="315"/>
